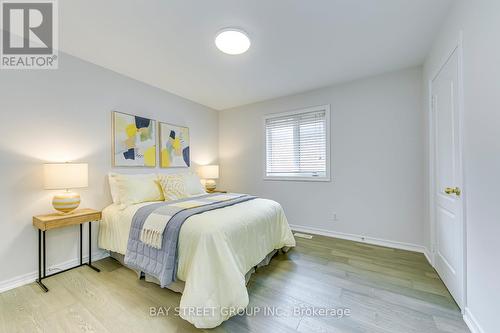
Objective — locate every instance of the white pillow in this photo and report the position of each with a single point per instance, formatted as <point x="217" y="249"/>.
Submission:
<point x="193" y="184"/>
<point x="113" y="187"/>
<point x="133" y="189"/>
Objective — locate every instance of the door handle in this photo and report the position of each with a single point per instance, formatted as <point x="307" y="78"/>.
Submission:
<point x="451" y="190"/>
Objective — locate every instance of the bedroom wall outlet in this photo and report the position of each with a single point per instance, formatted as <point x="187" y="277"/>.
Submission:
<point x="334" y="217"/>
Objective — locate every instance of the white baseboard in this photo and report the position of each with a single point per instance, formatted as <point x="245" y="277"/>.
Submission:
<point x="471" y="322"/>
<point x="21" y="280"/>
<point x="427" y="255"/>
<point x="364" y="239"/>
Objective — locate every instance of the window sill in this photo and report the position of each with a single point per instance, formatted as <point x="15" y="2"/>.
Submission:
<point x="298" y="179"/>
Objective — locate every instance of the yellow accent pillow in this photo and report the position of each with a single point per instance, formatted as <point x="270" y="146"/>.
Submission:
<point x="135" y="189"/>
<point x="174" y="186"/>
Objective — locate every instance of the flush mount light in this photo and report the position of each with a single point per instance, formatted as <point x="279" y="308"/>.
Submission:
<point x="232" y="41"/>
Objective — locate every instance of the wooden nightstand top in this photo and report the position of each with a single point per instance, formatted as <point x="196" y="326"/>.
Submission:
<point x="56" y="220"/>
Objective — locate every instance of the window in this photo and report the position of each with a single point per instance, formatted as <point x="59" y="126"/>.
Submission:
<point x="297" y="145"/>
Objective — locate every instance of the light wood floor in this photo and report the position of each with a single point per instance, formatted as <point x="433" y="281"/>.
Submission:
<point x="387" y="290"/>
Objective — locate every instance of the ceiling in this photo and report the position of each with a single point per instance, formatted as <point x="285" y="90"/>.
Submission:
<point x="297" y="45"/>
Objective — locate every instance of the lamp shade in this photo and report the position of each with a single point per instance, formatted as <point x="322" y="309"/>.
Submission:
<point x="59" y="176"/>
<point x="209" y="171"/>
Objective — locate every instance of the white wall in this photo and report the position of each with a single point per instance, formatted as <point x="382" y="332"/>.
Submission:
<point x="65" y="115"/>
<point x="377" y="136"/>
<point x="480" y="22"/>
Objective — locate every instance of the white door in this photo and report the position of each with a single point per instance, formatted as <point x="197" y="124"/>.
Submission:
<point x="448" y="216"/>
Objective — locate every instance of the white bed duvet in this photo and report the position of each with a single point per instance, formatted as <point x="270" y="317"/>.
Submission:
<point x="216" y="249"/>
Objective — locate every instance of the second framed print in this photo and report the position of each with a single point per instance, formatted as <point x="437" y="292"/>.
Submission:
<point x="174" y="146"/>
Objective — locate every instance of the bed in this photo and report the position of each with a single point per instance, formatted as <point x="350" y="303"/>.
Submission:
<point x="217" y="252"/>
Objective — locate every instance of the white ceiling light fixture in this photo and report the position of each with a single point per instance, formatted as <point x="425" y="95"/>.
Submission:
<point x="232" y="41"/>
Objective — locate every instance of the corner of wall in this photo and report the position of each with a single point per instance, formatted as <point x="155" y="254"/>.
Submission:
<point x="471" y="322"/>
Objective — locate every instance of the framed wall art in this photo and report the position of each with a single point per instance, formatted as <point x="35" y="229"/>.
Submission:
<point x="174" y="146"/>
<point x="134" y="141"/>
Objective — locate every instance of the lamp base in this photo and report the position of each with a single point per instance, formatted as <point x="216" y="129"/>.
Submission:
<point x="210" y="185"/>
<point x="66" y="202"/>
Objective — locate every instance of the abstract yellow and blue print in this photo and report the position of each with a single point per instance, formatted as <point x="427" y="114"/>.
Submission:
<point x="175" y="150"/>
<point x="134" y="140"/>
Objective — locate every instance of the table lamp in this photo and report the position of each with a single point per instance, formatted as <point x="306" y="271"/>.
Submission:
<point x="65" y="176"/>
<point x="209" y="173"/>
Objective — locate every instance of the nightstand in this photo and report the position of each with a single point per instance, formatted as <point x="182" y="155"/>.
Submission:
<point x="54" y="221"/>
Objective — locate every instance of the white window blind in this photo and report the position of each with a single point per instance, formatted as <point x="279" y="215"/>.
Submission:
<point x="296" y="144"/>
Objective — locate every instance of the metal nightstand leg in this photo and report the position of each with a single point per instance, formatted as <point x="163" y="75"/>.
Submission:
<point x="40" y="277"/>
<point x="81" y="244"/>
<point x="90" y="250"/>
<point x="42" y="274"/>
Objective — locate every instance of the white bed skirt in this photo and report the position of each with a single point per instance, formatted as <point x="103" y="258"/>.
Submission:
<point x="178" y="286"/>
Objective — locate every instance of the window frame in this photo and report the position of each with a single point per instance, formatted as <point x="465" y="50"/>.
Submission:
<point x="318" y="108"/>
